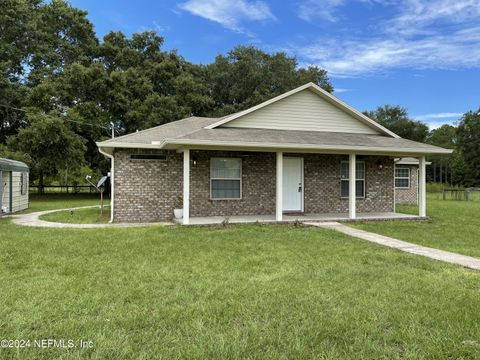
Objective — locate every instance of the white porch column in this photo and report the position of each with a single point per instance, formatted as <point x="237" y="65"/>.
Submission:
<point x="186" y="186"/>
<point x="279" y="187"/>
<point x="352" y="196"/>
<point x="422" y="188"/>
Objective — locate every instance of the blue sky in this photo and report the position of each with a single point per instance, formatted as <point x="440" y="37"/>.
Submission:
<point x="421" y="54"/>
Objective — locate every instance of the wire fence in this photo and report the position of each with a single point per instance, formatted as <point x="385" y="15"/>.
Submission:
<point x="62" y="189"/>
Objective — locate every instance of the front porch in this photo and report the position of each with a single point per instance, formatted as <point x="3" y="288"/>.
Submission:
<point x="250" y="219"/>
<point x="323" y="187"/>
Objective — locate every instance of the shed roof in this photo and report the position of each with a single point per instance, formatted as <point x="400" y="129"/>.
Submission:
<point x="13" y="165"/>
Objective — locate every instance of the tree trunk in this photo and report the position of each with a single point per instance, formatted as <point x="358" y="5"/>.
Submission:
<point x="40" y="183"/>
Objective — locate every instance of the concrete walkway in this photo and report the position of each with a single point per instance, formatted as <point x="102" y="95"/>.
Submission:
<point x="446" y="256"/>
<point x="32" y="219"/>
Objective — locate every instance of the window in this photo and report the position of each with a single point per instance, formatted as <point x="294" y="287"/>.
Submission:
<point x="360" y="179"/>
<point x="402" y="178"/>
<point x="226" y="178"/>
<point x="23" y="183"/>
<point x="159" y="157"/>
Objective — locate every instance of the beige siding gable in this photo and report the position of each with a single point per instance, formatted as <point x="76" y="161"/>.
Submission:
<point x="305" y="111"/>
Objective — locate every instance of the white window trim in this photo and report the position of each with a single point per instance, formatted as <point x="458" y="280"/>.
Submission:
<point x="402" y="177"/>
<point x="212" y="178"/>
<point x="348" y="179"/>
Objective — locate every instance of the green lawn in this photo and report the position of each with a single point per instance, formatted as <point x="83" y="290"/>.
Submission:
<point x="62" y="201"/>
<point x="260" y="292"/>
<point x="79" y="216"/>
<point x="455" y="226"/>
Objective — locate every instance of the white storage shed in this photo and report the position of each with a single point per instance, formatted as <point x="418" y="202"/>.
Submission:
<point x="14" y="186"/>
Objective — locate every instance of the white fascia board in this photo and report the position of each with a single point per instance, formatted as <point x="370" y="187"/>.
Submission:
<point x="293" y="147"/>
<point x="130" y="145"/>
<point x="275" y="146"/>
<point x="319" y="91"/>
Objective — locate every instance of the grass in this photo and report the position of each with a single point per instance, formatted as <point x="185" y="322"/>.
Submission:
<point x="79" y="216"/>
<point x="253" y="291"/>
<point x="62" y="201"/>
<point x="455" y="226"/>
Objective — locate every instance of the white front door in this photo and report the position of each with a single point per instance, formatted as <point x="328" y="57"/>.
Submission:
<point x="292" y="184"/>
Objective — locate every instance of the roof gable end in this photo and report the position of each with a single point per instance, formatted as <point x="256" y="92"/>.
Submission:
<point x="307" y="108"/>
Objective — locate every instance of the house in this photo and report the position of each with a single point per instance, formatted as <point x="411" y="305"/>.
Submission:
<point x="14" y="186"/>
<point x="301" y="154"/>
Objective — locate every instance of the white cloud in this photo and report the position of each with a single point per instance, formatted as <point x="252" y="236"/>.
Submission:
<point x="436" y="116"/>
<point x="325" y="9"/>
<point x="341" y="90"/>
<point x="436" y="34"/>
<point x="229" y="13"/>
<point x="436" y="120"/>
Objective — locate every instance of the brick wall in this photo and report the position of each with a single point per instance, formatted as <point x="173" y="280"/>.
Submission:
<point x="410" y="195"/>
<point x="322" y="184"/>
<point x="147" y="190"/>
<point x="258" y="185"/>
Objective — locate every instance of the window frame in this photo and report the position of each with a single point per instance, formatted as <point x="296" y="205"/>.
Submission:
<point x="239" y="178"/>
<point x="395" y="177"/>
<point x="348" y="179"/>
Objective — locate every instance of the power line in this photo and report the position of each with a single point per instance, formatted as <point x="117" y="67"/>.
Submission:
<point x="72" y="121"/>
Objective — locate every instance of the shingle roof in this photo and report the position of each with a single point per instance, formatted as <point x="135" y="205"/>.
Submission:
<point x="304" y="137"/>
<point x="173" y="129"/>
<point x="193" y="131"/>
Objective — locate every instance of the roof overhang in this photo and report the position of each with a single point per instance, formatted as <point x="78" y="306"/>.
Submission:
<point x="176" y="144"/>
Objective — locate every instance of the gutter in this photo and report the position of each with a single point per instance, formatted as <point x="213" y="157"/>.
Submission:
<point x="112" y="182"/>
<point x="276" y="146"/>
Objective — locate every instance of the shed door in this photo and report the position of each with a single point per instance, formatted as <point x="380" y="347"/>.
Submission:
<point x="292" y="184"/>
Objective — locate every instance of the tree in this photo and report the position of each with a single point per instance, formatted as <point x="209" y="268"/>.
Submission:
<point x="247" y="76"/>
<point x="50" y="145"/>
<point x="444" y="167"/>
<point x="396" y="119"/>
<point x="468" y="137"/>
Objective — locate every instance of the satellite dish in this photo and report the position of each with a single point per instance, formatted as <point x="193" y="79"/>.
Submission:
<point x="101" y="182"/>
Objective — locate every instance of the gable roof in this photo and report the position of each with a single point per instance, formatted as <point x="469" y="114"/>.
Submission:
<point x="325" y="95"/>
<point x="208" y="133"/>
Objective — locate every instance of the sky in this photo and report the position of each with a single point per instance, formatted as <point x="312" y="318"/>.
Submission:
<point x="421" y="54"/>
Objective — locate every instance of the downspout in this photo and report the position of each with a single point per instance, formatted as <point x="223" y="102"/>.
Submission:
<point x="112" y="182"/>
<point x="11" y="192"/>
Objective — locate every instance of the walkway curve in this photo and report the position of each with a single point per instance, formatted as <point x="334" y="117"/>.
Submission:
<point x="432" y="253"/>
<point x="33" y="219"/>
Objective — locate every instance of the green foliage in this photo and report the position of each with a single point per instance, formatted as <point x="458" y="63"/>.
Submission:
<point x="396" y="119"/>
<point x="50" y="145"/>
<point x="468" y="137"/>
<point x="246" y="76"/>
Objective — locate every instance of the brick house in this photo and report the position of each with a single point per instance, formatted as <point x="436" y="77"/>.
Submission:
<point x="301" y="154"/>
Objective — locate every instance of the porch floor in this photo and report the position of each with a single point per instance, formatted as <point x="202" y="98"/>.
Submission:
<point x="213" y="220"/>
